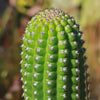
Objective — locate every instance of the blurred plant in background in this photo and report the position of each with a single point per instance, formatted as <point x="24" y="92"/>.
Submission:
<point x="23" y="5"/>
<point x="14" y="15"/>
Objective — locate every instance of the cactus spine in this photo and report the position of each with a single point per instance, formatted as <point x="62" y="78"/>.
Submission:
<point x="53" y="58"/>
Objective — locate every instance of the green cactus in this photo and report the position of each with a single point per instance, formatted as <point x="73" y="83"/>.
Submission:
<point x="53" y="61"/>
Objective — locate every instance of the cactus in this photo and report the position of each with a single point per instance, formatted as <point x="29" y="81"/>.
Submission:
<point x="53" y="61"/>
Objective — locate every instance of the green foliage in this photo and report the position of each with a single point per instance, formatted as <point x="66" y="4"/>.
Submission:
<point x="23" y="5"/>
<point x="53" y="58"/>
<point x="90" y="12"/>
<point x="61" y="5"/>
<point x="65" y="5"/>
<point x="77" y="2"/>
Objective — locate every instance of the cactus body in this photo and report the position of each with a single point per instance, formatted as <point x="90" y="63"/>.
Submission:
<point x="53" y="58"/>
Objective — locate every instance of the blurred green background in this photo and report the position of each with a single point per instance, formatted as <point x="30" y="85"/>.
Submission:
<point x="14" y="15"/>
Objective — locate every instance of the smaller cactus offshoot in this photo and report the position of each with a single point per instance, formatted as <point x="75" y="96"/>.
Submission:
<point x="53" y="61"/>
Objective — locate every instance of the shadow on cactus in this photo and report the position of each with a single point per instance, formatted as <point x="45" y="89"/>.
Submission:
<point x="53" y="61"/>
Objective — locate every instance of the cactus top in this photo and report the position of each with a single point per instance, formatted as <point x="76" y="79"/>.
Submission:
<point x="51" y="14"/>
<point x="53" y="58"/>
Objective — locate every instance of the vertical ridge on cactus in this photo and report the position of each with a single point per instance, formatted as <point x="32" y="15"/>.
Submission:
<point x="53" y="61"/>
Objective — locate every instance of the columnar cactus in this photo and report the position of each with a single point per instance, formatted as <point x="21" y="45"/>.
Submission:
<point x="53" y="61"/>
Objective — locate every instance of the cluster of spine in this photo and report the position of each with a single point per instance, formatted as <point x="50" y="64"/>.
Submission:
<point x="53" y="61"/>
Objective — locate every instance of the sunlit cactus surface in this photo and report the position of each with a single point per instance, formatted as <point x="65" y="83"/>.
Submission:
<point x="53" y="62"/>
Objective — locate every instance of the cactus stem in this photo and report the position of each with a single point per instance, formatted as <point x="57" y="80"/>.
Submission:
<point x="53" y="61"/>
